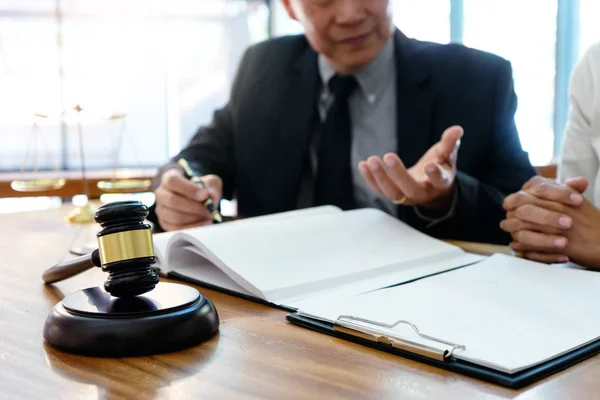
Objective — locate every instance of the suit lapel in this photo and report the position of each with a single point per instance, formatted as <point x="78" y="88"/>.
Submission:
<point x="414" y="105"/>
<point x="414" y="101"/>
<point x="299" y="112"/>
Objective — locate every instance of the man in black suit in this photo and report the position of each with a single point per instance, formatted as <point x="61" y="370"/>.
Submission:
<point x="355" y="114"/>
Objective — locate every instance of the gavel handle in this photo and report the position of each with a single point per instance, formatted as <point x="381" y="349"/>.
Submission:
<point x="72" y="267"/>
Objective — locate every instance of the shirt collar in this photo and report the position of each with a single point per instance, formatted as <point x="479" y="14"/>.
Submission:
<point x="373" y="78"/>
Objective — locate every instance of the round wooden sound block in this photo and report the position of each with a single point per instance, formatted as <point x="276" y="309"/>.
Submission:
<point x="168" y="318"/>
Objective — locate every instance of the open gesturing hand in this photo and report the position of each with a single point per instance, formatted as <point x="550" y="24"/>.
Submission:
<point x="429" y="183"/>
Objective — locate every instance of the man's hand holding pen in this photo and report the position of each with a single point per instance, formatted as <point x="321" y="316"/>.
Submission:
<point x="180" y="202"/>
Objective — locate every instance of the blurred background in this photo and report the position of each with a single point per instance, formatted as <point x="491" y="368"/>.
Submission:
<point x="145" y="74"/>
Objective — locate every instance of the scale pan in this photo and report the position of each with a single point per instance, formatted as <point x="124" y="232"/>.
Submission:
<point x="37" y="185"/>
<point x="125" y="185"/>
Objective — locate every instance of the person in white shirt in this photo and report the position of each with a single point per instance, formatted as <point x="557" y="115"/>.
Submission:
<point x="550" y="221"/>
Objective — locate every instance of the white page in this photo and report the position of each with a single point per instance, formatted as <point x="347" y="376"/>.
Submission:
<point x="192" y="258"/>
<point x="510" y="313"/>
<point x="192" y="264"/>
<point x="285" y="259"/>
<point x="405" y="274"/>
<point x="162" y="240"/>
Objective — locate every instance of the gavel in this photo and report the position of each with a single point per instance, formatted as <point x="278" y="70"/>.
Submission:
<point x="133" y="314"/>
<point x="125" y="251"/>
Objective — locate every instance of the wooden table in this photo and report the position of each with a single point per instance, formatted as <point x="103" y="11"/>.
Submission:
<point x="256" y="354"/>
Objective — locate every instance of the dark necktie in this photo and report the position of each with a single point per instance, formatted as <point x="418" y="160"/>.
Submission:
<point x="334" y="175"/>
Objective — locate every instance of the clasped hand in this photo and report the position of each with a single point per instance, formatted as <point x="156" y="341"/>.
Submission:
<point x="429" y="183"/>
<point x="553" y="223"/>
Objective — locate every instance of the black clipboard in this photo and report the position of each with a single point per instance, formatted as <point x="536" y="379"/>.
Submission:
<point x="513" y="381"/>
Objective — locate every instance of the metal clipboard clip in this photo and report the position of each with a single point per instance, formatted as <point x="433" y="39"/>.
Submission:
<point x="348" y="324"/>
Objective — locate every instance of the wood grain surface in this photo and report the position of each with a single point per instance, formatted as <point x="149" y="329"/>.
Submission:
<point x="256" y="354"/>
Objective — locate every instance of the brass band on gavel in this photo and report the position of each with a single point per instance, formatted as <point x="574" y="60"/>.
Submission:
<point x="125" y="245"/>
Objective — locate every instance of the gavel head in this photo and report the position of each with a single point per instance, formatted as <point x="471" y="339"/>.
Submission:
<point x="125" y="248"/>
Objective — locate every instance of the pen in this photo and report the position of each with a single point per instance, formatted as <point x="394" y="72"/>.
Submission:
<point x="208" y="203"/>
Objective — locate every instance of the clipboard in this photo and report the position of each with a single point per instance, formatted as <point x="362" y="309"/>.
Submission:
<point x="350" y="328"/>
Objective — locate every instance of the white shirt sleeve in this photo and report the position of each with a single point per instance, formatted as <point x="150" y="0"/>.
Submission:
<point x="578" y="156"/>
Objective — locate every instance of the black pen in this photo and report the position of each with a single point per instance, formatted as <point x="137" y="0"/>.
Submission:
<point x="208" y="203"/>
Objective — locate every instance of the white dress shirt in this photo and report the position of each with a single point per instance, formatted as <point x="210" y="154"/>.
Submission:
<point x="580" y="154"/>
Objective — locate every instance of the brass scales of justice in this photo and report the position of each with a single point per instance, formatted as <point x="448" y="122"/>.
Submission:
<point x="35" y="183"/>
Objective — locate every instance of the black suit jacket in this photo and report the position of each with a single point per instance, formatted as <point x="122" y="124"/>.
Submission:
<point x="258" y="141"/>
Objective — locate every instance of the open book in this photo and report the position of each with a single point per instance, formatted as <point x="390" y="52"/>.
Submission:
<point x="289" y="257"/>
